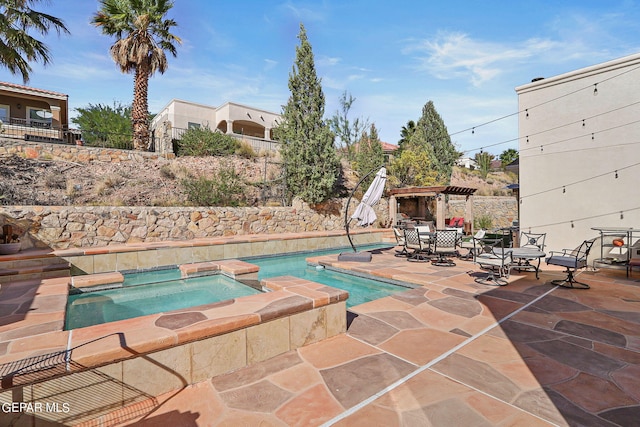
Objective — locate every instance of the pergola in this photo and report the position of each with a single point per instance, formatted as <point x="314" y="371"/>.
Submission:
<point x="422" y="194"/>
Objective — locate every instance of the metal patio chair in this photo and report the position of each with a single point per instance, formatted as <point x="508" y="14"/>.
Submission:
<point x="420" y="249"/>
<point x="492" y="256"/>
<point x="445" y="244"/>
<point x="572" y="260"/>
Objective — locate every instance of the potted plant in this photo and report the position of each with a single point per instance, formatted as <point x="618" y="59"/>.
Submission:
<point x="9" y="242"/>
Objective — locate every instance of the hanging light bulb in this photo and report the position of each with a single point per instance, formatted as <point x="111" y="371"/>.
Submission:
<point x="621" y="215"/>
<point x="541" y="149"/>
<point x="616" y="174"/>
<point x="583" y="123"/>
<point x="527" y="111"/>
<point x="572" y="224"/>
<point x="527" y="139"/>
<point x="473" y="130"/>
<point x="564" y="190"/>
<point x="593" y="136"/>
<point x="595" y="88"/>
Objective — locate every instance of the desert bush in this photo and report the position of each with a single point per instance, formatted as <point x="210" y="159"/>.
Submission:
<point x="55" y="180"/>
<point x="246" y="150"/>
<point x="224" y="188"/>
<point x="205" y="142"/>
<point x="167" y="172"/>
<point x="483" y="221"/>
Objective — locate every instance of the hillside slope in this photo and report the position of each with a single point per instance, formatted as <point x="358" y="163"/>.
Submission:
<point x="156" y="182"/>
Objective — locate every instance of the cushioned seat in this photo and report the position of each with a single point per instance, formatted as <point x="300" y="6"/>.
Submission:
<point x="572" y="261"/>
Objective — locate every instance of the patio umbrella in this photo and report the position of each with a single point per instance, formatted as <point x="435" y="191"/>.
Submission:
<point x="364" y="212"/>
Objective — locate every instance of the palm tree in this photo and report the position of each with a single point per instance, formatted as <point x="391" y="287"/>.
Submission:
<point x="17" y="47"/>
<point x="143" y="35"/>
<point x="406" y="132"/>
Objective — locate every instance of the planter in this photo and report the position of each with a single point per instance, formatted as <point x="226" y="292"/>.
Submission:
<point x="9" y="248"/>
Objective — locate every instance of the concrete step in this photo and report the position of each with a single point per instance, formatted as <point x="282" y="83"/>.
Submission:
<point x="32" y="264"/>
<point x="29" y="272"/>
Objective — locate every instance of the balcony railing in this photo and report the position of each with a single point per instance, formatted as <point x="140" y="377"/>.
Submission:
<point x="33" y="130"/>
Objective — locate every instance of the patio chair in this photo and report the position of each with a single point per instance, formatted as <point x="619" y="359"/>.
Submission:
<point x="572" y="260"/>
<point x="492" y="256"/>
<point x="445" y="243"/>
<point x="400" y="242"/>
<point x="467" y="243"/>
<point x="532" y="240"/>
<point x="412" y="241"/>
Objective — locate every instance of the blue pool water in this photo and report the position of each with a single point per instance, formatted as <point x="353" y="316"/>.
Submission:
<point x="360" y="289"/>
<point x="157" y="291"/>
<point x="167" y="293"/>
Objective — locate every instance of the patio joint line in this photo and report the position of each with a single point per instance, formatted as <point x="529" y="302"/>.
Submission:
<point x="423" y="368"/>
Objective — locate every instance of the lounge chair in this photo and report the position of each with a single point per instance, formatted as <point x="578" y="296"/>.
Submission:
<point x="572" y="260"/>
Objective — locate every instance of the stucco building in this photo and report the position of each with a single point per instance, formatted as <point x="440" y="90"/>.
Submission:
<point x="579" y="143"/>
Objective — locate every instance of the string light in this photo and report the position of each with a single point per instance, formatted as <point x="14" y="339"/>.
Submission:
<point x="595" y="92"/>
<point x="541" y="149"/>
<point x="616" y="174"/>
<point x="572" y="226"/>
<point x="473" y="130"/>
<point x="564" y="190"/>
<point x="621" y="215"/>
<point x="583" y="123"/>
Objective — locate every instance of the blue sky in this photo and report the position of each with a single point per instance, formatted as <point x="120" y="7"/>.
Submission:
<point x="393" y="57"/>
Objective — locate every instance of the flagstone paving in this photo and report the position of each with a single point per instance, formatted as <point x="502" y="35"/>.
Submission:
<point x="451" y="352"/>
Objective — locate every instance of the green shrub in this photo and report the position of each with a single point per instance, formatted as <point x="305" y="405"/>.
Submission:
<point x="205" y="142"/>
<point x="482" y="221"/>
<point x="224" y="188"/>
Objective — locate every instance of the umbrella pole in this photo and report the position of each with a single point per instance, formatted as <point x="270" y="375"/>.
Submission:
<point x="347" y="220"/>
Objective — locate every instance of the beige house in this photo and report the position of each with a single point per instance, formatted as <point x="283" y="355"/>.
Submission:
<point x="579" y="142"/>
<point x="235" y="119"/>
<point x="33" y="114"/>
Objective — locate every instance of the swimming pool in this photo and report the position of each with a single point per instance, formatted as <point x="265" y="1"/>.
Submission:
<point x="156" y="291"/>
<point x="166" y="292"/>
<point x="361" y="289"/>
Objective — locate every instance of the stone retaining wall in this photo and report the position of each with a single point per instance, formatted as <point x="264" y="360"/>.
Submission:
<point x="502" y="210"/>
<point x="61" y="227"/>
<point x="74" y="153"/>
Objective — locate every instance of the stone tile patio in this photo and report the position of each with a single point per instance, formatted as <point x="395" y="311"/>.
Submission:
<point x="452" y="352"/>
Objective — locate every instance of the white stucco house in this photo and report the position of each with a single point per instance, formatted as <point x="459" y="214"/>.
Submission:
<point x="253" y="124"/>
<point x="579" y="144"/>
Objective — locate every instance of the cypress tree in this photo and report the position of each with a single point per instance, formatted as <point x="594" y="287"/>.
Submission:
<point x="370" y="155"/>
<point x="431" y="134"/>
<point x="311" y="161"/>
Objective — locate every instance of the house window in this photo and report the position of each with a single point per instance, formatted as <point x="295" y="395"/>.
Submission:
<point x="4" y="113"/>
<point x="39" y="117"/>
<point x="192" y="125"/>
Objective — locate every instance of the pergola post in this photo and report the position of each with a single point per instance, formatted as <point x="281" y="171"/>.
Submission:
<point x="440" y="211"/>
<point x="468" y="211"/>
<point x="393" y="211"/>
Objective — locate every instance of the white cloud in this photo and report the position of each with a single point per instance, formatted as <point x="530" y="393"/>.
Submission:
<point x="456" y="55"/>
